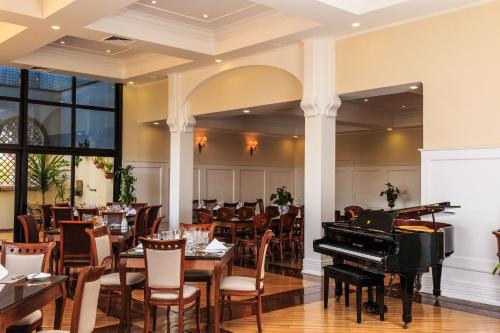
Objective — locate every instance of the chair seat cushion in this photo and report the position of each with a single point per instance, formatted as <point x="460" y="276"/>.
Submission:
<point x="354" y="275"/>
<point x="189" y="291"/>
<point x="29" y="319"/>
<point x="194" y="275"/>
<point x="113" y="279"/>
<point x="240" y="283"/>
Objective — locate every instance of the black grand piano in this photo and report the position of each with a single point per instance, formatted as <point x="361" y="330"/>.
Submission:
<point x="396" y="242"/>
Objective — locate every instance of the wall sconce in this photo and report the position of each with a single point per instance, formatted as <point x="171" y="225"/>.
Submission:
<point x="201" y="142"/>
<point x="252" y="145"/>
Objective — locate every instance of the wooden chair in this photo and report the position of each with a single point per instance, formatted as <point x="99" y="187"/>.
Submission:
<point x="260" y="224"/>
<point x="245" y="213"/>
<point x="293" y="209"/>
<point x="151" y="215"/>
<point x="209" y="203"/>
<point x="225" y="214"/>
<point x="74" y="245"/>
<point x="352" y="212"/>
<point x="272" y="211"/>
<point x="164" y="260"/>
<point x="62" y="204"/>
<point x="84" y="311"/>
<point x="260" y="202"/>
<point x="287" y="222"/>
<point x="102" y="255"/>
<point x="61" y="214"/>
<point x="139" y="228"/>
<point x="195" y="204"/>
<point x="156" y="224"/>
<point x="86" y="211"/>
<point x="46" y="218"/>
<point x="247" y="286"/>
<point x="137" y="205"/>
<point x="25" y="259"/>
<point x="203" y="218"/>
<point x="252" y="205"/>
<point x="230" y="205"/>
<point x="113" y="217"/>
<point x="30" y="228"/>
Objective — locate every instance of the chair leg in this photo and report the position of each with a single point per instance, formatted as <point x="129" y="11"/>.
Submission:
<point x="168" y="315"/>
<point x="380" y="301"/>
<point x="346" y="292"/>
<point x="198" y="313"/>
<point x="181" y="317"/>
<point x="155" y="312"/>
<point x="326" y="281"/>
<point x="259" y="313"/>
<point x="209" y="286"/>
<point x="147" y="316"/>
<point x="221" y="308"/>
<point x="281" y="251"/>
<point x="359" y="297"/>
<point x="108" y="305"/>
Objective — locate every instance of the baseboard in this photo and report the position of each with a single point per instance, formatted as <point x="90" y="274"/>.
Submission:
<point x="6" y="230"/>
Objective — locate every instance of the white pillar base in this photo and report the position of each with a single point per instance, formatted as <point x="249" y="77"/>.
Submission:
<point x="314" y="266"/>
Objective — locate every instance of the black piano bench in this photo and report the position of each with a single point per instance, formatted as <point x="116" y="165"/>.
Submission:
<point x="356" y="276"/>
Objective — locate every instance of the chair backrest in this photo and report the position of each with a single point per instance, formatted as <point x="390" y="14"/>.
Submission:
<point x="85" y="302"/>
<point x="46" y="215"/>
<point x="113" y="217"/>
<point x="261" y="261"/>
<point x="164" y="261"/>
<point x="260" y="202"/>
<point x="156" y="224"/>
<point x="225" y="214"/>
<point x="101" y="252"/>
<point x="137" y="205"/>
<point x="272" y="211"/>
<point x="61" y="214"/>
<point x="230" y="205"/>
<point x="140" y="224"/>
<point x="203" y="218"/>
<point x="245" y="213"/>
<point x="26" y="258"/>
<point x="151" y="215"/>
<point x="74" y="241"/>
<point x="86" y="211"/>
<point x="210" y="227"/>
<point x="261" y="222"/>
<point x="195" y="204"/>
<point x="351" y="212"/>
<point x="293" y="209"/>
<point x="62" y="204"/>
<point x="205" y="210"/>
<point x="30" y="228"/>
<point x="210" y="203"/>
<point x="287" y="222"/>
<point x="250" y="204"/>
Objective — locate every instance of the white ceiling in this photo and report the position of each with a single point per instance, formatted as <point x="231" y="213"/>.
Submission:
<point x="173" y="35"/>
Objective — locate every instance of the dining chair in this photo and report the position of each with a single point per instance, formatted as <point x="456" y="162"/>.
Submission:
<point x="86" y="211"/>
<point x="203" y="218"/>
<point x="156" y="224"/>
<point x="230" y="205"/>
<point x="62" y="204"/>
<point x="200" y="275"/>
<point x="260" y="202"/>
<point x="352" y="212"/>
<point x="139" y="228"/>
<point x="164" y="261"/>
<point x="248" y="286"/>
<point x="113" y="217"/>
<point x="74" y="245"/>
<point x="84" y="313"/>
<point x="209" y="203"/>
<point x="151" y="215"/>
<point x="293" y="209"/>
<point x="225" y="214"/>
<point x="137" y="205"/>
<point x="46" y="218"/>
<point x="272" y="211"/>
<point x="279" y="241"/>
<point x="25" y="259"/>
<point x="261" y="222"/>
<point x="30" y="228"/>
<point x="61" y="214"/>
<point x="245" y="213"/>
<point x="102" y="255"/>
<point x="250" y="204"/>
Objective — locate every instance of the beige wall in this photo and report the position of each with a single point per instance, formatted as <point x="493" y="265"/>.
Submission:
<point x="245" y="87"/>
<point x="455" y="55"/>
<point x="7" y="214"/>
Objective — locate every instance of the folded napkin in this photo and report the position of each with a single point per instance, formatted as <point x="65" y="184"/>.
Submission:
<point x="216" y="207"/>
<point x="3" y="272"/>
<point x="132" y="212"/>
<point x="139" y="246"/>
<point x="215" y="246"/>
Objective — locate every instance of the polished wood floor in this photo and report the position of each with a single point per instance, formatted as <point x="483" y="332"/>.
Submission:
<point x="292" y="303"/>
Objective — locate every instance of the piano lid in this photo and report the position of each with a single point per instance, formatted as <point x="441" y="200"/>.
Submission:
<point x="375" y="220"/>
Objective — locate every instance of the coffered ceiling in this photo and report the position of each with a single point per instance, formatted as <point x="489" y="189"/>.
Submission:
<point x="156" y="37"/>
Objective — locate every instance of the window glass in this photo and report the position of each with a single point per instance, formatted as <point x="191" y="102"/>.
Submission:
<point x="10" y="81"/>
<point x="95" y="93"/>
<point x="9" y="121"/>
<point x="93" y="180"/>
<point x="95" y="129"/>
<point x="7" y="189"/>
<point x="49" y="125"/>
<point x="49" y="87"/>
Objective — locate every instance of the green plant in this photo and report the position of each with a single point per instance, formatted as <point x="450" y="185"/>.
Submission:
<point x="391" y="194"/>
<point x="281" y="197"/>
<point x="47" y="171"/>
<point x="497" y="268"/>
<point x="99" y="162"/>
<point x="108" y="166"/>
<point x="127" y="181"/>
<point x="60" y="185"/>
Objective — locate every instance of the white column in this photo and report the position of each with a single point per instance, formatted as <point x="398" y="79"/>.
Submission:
<point x="320" y="104"/>
<point x="181" y="125"/>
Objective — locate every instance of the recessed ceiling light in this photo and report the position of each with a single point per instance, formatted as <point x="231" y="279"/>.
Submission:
<point x="366" y="100"/>
<point x="414" y="87"/>
<point x="246" y="111"/>
<point x="56" y="27"/>
<point x="295" y="136"/>
<point x="108" y="51"/>
<point x="156" y="123"/>
<point x="153" y="2"/>
<point x="130" y="82"/>
<point x="218" y="60"/>
<point x="403" y="106"/>
<point x="389" y="129"/>
<point x="356" y="24"/>
<point x="205" y="15"/>
<point x="63" y="42"/>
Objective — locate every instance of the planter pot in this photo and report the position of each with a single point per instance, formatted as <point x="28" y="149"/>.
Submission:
<point x="108" y="175"/>
<point x="99" y="165"/>
<point x="391" y="203"/>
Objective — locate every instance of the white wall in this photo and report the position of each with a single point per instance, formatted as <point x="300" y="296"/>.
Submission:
<point x="469" y="178"/>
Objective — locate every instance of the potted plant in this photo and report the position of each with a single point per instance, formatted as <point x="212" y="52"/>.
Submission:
<point x="46" y="172"/>
<point x="391" y="193"/>
<point x="282" y="198"/>
<point x="98" y="162"/>
<point x="127" y="181"/>
<point x="108" y="169"/>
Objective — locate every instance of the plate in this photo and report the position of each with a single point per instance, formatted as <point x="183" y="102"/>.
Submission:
<point x="38" y="276"/>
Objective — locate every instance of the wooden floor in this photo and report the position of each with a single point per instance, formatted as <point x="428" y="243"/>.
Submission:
<point x="292" y="303"/>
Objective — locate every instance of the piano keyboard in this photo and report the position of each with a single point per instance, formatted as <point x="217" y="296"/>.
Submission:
<point x="361" y="254"/>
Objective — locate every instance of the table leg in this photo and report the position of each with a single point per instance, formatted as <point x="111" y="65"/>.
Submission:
<point x="60" y="302"/>
<point x="217" y="309"/>
<point x="3" y="328"/>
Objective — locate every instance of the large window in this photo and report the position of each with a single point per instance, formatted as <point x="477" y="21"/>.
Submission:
<point x="59" y="122"/>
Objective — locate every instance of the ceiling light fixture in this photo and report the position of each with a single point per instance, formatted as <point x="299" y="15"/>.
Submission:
<point x="108" y="51"/>
<point x="403" y="106"/>
<point x="414" y="87"/>
<point x="218" y="60"/>
<point x="56" y="27"/>
<point x="246" y="111"/>
<point x="295" y="136"/>
<point x="156" y="123"/>
<point x="389" y="129"/>
<point x="366" y="100"/>
<point x="130" y="82"/>
<point x="205" y="16"/>
<point x="153" y="2"/>
<point x="63" y="42"/>
<point x="356" y="25"/>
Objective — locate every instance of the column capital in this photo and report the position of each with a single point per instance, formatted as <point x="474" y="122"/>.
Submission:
<point x="179" y="116"/>
<point x="319" y="97"/>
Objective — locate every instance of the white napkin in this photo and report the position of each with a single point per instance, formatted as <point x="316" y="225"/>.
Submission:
<point x="216" y="207"/>
<point x="132" y="212"/>
<point x="3" y="272"/>
<point x="215" y="246"/>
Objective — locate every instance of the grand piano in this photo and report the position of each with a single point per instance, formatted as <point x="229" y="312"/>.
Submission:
<point x="395" y="242"/>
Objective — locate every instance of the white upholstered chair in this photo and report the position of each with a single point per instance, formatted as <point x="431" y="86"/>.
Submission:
<point x="248" y="286"/>
<point x="25" y="259"/>
<point x="165" y="281"/>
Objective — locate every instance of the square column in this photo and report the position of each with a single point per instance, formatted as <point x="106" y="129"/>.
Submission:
<point x="320" y="104"/>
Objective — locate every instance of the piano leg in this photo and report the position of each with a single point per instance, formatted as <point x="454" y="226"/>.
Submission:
<point x="338" y="290"/>
<point x="407" y="282"/>
<point x="436" y="282"/>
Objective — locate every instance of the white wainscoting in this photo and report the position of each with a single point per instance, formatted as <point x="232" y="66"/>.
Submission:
<point x="469" y="178"/>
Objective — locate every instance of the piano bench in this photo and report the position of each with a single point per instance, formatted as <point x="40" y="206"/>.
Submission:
<point x="350" y="275"/>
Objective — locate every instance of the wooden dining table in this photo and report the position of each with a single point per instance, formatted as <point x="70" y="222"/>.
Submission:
<point x="19" y="299"/>
<point x="213" y="261"/>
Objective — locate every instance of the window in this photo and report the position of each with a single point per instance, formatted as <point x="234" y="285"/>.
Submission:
<point x="95" y="93"/>
<point x="49" y="87"/>
<point x="51" y="122"/>
<point x="95" y="129"/>
<point x="10" y="81"/>
<point x="9" y="117"/>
